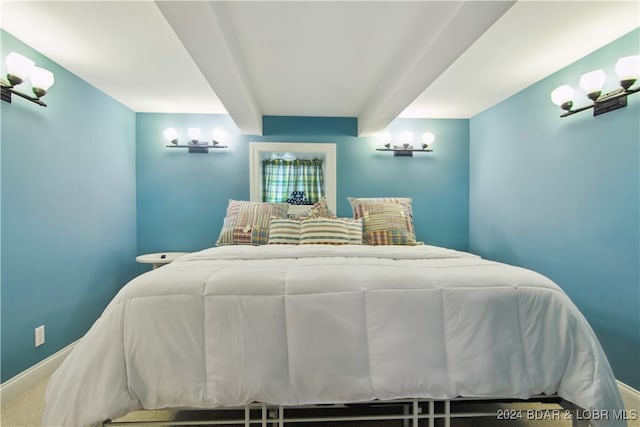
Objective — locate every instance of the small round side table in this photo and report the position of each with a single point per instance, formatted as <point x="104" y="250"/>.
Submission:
<point x="159" y="259"/>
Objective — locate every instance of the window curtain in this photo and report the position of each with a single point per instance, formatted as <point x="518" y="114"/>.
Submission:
<point x="282" y="177"/>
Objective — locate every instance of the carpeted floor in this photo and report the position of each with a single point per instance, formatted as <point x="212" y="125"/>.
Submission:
<point x="26" y="411"/>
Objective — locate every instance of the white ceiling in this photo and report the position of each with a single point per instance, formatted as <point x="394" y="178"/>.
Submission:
<point x="374" y="60"/>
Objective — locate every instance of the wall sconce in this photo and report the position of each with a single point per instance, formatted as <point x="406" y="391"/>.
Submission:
<point x="404" y="148"/>
<point x="628" y="71"/>
<point x="20" y="68"/>
<point x="194" y="145"/>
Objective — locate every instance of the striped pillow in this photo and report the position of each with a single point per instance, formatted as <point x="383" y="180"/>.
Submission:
<point x="284" y="231"/>
<point x="247" y="223"/>
<point x="355" y="231"/>
<point x="325" y="231"/>
<point x="386" y="221"/>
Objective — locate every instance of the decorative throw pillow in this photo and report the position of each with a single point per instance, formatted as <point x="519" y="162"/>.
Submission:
<point x="318" y="210"/>
<point x="283" y="231"/>
<point x="327" y="231"/>
<point x="355" y="231"/>
<point x="247" y="223"/>
<point x="386" y="221"/>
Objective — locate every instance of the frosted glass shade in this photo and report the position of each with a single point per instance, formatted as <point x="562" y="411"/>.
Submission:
<point x="428" y="138"/>
<point x="19" y="66"/>
<point x="41" y="78"/>
<point x="562" y="95"/>
<point x="405" y="137"/>
<point x="384" y="137"/>
<point x="218" y="135"/>
<point x="628" y="68"/>
<point x="170" y="134"/>
<point x="194" y="133"/>
<point x="592" y="82"/>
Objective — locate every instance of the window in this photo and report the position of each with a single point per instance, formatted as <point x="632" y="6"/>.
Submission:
<point x="263" y="188"/>
<point x="296" y="180"/>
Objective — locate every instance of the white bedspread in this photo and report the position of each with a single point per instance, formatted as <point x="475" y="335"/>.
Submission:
<point x="327" y="324"/>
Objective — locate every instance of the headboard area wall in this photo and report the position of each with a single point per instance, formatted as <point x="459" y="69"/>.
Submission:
<point x="182" y="197"/>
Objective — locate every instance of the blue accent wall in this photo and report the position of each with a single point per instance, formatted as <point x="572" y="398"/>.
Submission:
<point x="68" y="232"/>
<point x="561" y="196"/>
<point x="87" y="184"/>
<point x="182" y="197"/>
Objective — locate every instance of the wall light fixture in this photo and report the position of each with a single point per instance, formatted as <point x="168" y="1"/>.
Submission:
<point x="628" y="71"/>
<point x="19" y="69"/>
<point x="404" y="148"/>
<point x="194" y="145"/>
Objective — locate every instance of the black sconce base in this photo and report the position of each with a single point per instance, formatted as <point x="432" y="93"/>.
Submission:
<point x="6" y="95"/>
<point x="8" y="91"/>
<point x="403" y="153"/>
<point x="606" y="105"/>
<point x="609" y="102"/>
<point x="196" y="149"/>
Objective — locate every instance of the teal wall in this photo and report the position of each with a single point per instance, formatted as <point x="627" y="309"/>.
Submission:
<point x="68" y="229"/>
<point x="182" y="197"/>
<point x="561" y="196"/>
<point x="87" y="184"/>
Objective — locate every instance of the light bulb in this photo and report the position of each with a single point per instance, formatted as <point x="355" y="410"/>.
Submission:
<point x="18" y="68"/>
<point x="563" y="97"/>
<point x="41" y="80"/>
<point x="194" y="133"/>
<point x="628" y="70"/>
<point x="171" y="135"/>
<point x="592" y="83"/>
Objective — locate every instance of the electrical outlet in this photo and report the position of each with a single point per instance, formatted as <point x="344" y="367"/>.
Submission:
<point x="39" y="335"/>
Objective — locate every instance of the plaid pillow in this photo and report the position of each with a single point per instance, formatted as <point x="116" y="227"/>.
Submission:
<point x="326" y="231"/>
<point x="284" y="231"/>
<point x="386" y="221"/>
<point x="247" y="223"/>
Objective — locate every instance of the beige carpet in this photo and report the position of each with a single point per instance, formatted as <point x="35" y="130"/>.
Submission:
<point x="26" y="411"/>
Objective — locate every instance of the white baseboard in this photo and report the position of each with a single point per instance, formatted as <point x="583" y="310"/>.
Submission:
<point x="22" y="382"/>
<point x="630" y="396"/>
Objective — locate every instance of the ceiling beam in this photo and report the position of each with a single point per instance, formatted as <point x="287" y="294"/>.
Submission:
<point x="413" y="70"/>
<point x="203" y="29"/>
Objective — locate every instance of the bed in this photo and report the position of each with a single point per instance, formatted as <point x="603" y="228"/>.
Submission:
<point x="300" y="324"/>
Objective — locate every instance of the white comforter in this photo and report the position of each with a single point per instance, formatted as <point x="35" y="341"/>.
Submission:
<point x="317" y="324"/>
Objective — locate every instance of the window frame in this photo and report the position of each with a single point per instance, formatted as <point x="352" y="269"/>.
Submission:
<point x="260" y="150"/>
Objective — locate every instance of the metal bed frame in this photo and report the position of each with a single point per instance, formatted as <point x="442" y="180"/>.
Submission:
<point x="410" y="411"/>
